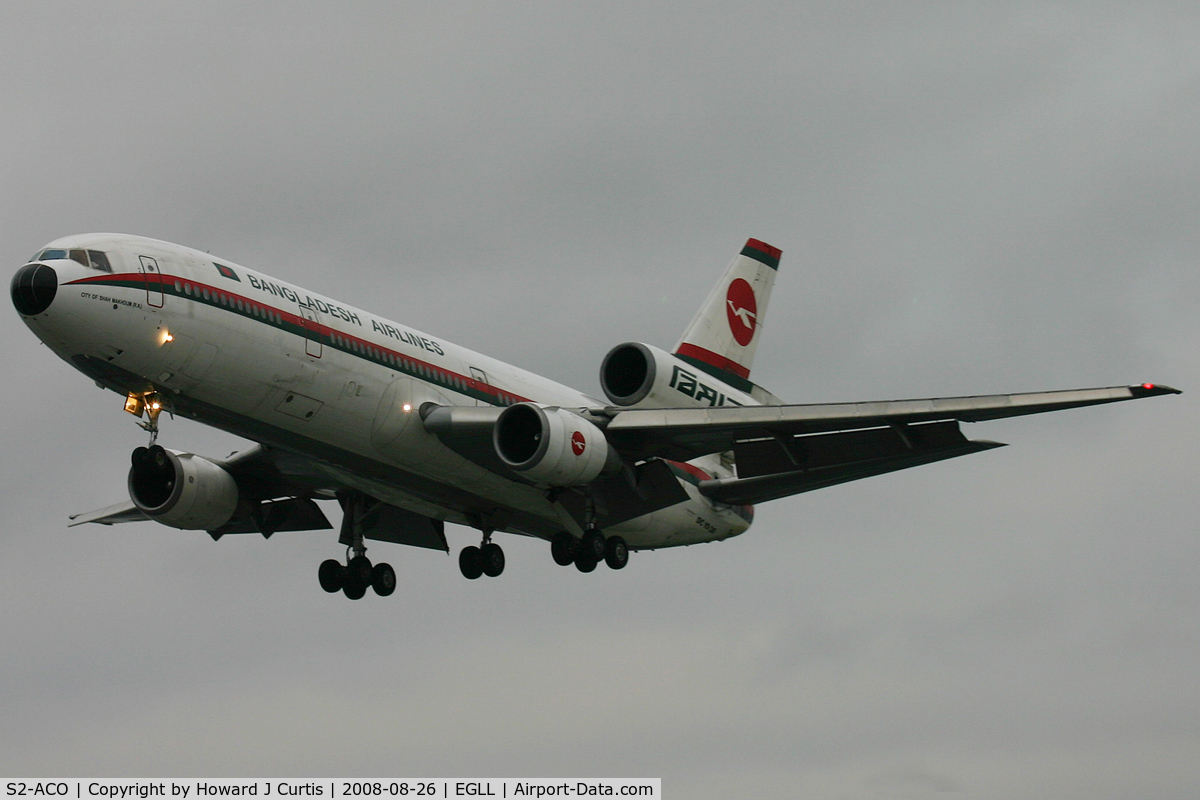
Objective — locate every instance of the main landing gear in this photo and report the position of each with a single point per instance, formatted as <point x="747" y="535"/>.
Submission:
<point x="486" y="559"/>
<point x="589" y="550"/>
<point x="358" y="574"/>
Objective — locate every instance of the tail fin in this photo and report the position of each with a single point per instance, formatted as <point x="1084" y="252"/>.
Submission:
<point x="725" y="331"/>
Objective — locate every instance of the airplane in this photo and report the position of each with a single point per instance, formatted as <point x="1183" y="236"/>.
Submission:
<point x="407" y="431"/>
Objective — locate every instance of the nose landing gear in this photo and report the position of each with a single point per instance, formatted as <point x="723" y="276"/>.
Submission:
<point x="151" y="405"/>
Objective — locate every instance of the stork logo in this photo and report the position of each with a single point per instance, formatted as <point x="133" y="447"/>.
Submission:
<point x="578" y="445"/>
<point x="742" y="310"/>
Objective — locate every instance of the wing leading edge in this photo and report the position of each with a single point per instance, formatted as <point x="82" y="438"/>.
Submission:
<point x="788" y="449"/>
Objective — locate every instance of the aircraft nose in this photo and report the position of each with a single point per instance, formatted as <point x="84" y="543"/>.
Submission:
<point x="33" y="288"/>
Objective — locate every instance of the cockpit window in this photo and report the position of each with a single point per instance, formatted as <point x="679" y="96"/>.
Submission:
<point x="100" y="261"/>
<point x="88" y="258"/>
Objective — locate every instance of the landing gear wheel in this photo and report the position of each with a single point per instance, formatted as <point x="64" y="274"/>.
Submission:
<point x="383" y="579"/>
<point x="584" y="564"/>
<point x="492" y="559"/>
<point x="330" y="575"/>
<point x="353" y="590"/>
<point x="592" y="545"/>
<point x="470" y="561"/>
<point x="562" y="548"/>
<point x="616" y="552"/>
<point x="359" y="570"/>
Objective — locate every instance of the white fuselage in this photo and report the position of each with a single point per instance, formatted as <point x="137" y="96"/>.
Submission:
<point x="275" y="363"/>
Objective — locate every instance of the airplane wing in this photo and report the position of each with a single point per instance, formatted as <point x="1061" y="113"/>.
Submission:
<point x="788" y="449"/>
<point x="278" y="487"/>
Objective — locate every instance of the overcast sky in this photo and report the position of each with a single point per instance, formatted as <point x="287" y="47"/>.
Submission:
<point x="970" y="198"/>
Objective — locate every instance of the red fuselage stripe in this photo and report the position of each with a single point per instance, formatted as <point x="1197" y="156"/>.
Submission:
<point x="325" y="332"/>
<point x="712" y="359"/>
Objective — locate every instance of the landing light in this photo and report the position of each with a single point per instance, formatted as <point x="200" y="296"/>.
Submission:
<point x="134" y="404"/>
<point x="407" y="407"/>
<point x="148" y="402"/>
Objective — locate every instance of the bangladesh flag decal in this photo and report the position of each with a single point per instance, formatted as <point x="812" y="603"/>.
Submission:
<point x="227" y="272"/>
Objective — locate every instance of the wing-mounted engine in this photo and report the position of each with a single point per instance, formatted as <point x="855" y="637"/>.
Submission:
<point x="552" y="446"/>
<point x="636" y="375"/>
<point x="181" y="490"/>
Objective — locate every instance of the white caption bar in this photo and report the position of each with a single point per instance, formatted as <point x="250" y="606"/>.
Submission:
<point x="332" y="789"/>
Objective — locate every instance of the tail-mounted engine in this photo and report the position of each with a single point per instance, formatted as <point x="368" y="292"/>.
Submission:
<point x="552" y="446"/>
<point x="636" y="374"/>
<point x="181" y="490"/>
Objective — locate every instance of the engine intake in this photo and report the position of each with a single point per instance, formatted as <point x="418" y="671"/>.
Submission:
<point x="552" y="446"/>
<point x="181" y="490"/>
<point x="643" y="376"/>
<point x="627" y="373"/>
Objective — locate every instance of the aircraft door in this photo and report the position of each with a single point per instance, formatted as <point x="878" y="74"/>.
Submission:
<point x="153" y="278"/>
<point x="312" y="331"/>
<point x="481" y="377"/>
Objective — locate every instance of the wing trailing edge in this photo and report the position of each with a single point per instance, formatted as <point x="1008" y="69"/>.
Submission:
<point x="869" y="461"/>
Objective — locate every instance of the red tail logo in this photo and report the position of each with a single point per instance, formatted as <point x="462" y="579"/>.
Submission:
<point x="742" y="310"/>
<point x="578" y="445"/>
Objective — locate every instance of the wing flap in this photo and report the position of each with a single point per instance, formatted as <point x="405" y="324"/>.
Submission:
<point x="760" y="457"/>
<point x="760" y="489"/>
<point x="276" y="516"/>
<point x="387" y="523"/>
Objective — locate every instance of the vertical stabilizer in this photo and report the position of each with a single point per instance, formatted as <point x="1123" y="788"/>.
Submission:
<point x="724" y="334"/>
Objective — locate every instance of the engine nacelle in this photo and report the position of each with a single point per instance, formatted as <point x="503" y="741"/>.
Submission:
<point x="181" y="490"/>
<point x="552" y="446"/>
<point x="636" y="374"/>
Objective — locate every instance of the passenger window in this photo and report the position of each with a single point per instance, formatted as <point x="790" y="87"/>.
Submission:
<point x="100" y="261"/>
<point x="80" y="256"/>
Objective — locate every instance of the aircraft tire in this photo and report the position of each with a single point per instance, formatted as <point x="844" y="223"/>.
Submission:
<point x="359" y="571"/>
<point x="354" y="590"/>
<point x="585" y="564"/>
<point x="470" y="562"/>
<point x="592" y="545"/>
<point x="330" y="575"/>
<point x="492" y="559"/>
<point x="616" y="552"/>
<point x="383" y="579"/>
<point x="562" y="548"/>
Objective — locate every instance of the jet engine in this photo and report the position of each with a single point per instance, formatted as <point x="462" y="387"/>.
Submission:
<point x="552" y="446"/>
<point x="181" y="490"/>
<point x="641" y="375"/>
